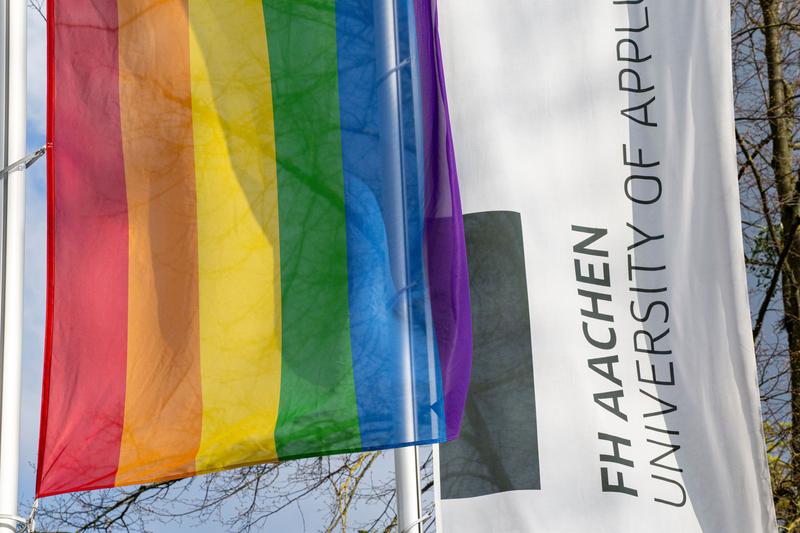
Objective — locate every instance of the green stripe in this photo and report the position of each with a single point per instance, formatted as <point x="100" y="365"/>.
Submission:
<point x="318" y="410"/>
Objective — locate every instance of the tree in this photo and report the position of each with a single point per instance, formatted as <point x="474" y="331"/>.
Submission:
<point x="247" y="498"/>
<point x="766" y="56"/>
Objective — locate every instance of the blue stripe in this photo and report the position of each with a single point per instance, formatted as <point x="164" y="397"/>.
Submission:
<point x="376" y="330"/>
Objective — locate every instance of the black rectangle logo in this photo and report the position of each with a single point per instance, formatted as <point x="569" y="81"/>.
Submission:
<point x="498" y="448"/>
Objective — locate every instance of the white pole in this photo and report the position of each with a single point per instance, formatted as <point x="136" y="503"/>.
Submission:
<point x="15" y="251"/>
<point x="394" y="205"/>
<point x="437" y="488"/>
<point x="406" y="471"/>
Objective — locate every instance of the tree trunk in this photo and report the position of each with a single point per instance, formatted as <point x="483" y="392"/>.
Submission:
<point x="780" y="118"/>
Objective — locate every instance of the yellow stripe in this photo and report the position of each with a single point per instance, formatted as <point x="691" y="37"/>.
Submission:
<point x="238" y="246"/>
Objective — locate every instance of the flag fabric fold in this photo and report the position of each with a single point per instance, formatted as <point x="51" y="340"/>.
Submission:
<point x="255" y="244"/>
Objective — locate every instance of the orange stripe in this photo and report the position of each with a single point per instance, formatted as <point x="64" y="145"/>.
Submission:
<point x="163" y="401"/>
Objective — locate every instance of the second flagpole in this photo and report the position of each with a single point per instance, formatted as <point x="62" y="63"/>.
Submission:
<point x="13" y="264"/>
<point x="389" y="65"/>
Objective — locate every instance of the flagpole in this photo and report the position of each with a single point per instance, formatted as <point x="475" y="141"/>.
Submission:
<point x="406" y="469"/>
<point x="14" y="226"/>
<point x="437" y="488"/>
<point x="394" y="206"/>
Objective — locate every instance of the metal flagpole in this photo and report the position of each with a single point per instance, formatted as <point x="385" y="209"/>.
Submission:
<point x="406" y="470"/>
<point x="394" y="205"/>
<point x="14" y="250"/>
<point x="4" y="165"/>
<point x="437" y="488"/>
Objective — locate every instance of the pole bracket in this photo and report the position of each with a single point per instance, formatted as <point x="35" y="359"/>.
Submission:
<point x="23" y="163"/>
<point x="415" y="523"/>
<point x="29" y="524"/>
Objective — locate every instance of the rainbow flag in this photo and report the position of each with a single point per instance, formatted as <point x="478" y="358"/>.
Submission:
<point x="255" y="248"/>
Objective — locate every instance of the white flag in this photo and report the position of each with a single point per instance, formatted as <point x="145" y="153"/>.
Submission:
<point x="614" y="383"/>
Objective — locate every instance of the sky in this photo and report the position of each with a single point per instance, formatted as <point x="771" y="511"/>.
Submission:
<point x="35" y="257"/>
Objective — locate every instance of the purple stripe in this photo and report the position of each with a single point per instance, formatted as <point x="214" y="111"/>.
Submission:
<point x="445" y="248"/>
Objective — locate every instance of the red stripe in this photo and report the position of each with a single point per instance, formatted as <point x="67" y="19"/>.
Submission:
<point x="87" y="301"/>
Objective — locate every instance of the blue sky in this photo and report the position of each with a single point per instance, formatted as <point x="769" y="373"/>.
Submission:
<point x="35" y="257"/>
